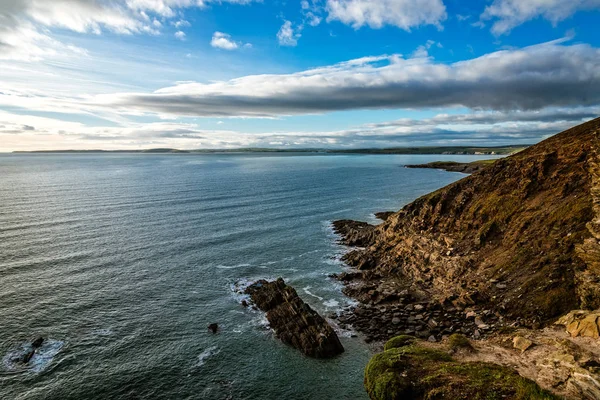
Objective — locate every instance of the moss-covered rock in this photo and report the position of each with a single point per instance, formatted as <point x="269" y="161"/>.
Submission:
<point x="416" y="372"/>
<point x="400" y="341"/>
<point x="458" y="342"/>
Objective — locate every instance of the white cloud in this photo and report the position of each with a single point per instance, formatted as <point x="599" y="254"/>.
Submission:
<point x="25" y="43"/>
<point x="313" y="19"/>
<point x="404" y="14"/>
<point x="509" y="14"/>
<point x="180" y="35"/>
<point x="182" y="23"/>
<point x="423" y="50"/>
<point x="223" y="41"/>
<point x="287" y="36"/>
<point x="312" y="12"/>
<point x="85" y="16"/>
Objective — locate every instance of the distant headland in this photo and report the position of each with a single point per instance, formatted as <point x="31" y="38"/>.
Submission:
<point x="450" y="150"/>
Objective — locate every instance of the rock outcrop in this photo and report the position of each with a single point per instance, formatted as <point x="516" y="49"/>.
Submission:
<point x="581" y="323"/>
<point x="519" y="239"/>
<point x="355" y="233"/>
<point x="294" y="321"/>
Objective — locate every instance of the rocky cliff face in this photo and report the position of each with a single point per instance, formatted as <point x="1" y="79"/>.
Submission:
<point x="520" y="237"/>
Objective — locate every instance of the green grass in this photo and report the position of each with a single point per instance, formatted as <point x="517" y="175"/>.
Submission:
<point x="406" y="370"/>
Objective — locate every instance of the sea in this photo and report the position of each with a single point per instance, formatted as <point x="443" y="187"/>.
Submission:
<point x="121" y="261"/>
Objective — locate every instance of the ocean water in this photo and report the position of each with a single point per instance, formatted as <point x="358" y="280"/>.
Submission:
<point x="122" y="260"/>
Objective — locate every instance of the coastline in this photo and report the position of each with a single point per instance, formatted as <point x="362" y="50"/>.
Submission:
<point x="437" y="269"/>
<point x="452" y="166"/>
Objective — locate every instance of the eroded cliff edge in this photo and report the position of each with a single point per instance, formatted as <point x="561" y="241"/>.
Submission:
<point x="520" y="238"/>
<point x="497" y="256"/>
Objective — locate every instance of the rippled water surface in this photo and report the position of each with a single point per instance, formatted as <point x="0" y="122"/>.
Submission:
<point x="122" y="260"/>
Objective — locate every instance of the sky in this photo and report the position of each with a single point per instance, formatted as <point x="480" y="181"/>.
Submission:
<point x="191" y="74"/>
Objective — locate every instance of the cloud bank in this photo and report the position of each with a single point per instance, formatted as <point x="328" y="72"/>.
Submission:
<point x="547" y="75"/>
<point x="479" y="128"/>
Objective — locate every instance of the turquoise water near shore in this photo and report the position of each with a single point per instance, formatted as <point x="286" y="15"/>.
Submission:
<point x="122" y="260"/>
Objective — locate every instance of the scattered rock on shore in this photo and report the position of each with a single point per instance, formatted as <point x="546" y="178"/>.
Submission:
<point x="294" y="321"/>
<point x="521" y="343"/>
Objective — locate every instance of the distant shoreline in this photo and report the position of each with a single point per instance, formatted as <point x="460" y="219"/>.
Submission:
<point x="453" y="166"/>
<point x="448" y="150"/>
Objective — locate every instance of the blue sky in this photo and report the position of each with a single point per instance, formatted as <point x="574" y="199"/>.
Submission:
<point x="133" y="74"/>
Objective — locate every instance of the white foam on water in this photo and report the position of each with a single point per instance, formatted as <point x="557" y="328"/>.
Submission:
<point x="307" y="291"/>
<point x="308" y="253"/>
<point x="290" y="269"/>
<point x="340" y="211"/>
<point x="206" y="354"/>
<point x="40" y="360"/>
<point x="233" y="266"/>
<point x="345" y="333"/>
<point x="238" y="289"/>
<point x="331" y="303"/>
<point x="102" y="332"/>
<point x="335" y="261"/>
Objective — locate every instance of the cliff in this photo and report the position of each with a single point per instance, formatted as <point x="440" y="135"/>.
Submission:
<point x="520" y="237"/>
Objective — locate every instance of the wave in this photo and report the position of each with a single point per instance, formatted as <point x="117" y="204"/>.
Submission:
<point x="206" y="354"/>
<point x="307" y="291"/>
<point x="234" y="266"/>
<point x="331" y="303"/>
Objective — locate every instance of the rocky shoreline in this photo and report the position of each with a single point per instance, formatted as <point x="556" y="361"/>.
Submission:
<point x="391" y="308"/>
<point x="507" y="257"/>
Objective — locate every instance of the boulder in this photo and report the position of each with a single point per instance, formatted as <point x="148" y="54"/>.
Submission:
<point x="521" y="343"/>
<point x="582" y="323"/>
<point x="294" y="321"/>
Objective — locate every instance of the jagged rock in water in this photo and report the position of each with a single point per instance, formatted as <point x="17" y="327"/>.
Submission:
<point x="384" y="215"/>
<point x="294" y="322"/>
<point x="530" y="221"/>
<point x="37" y="342"/>
<point x="354" y="233"/>
<point x="581" y="323"/>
